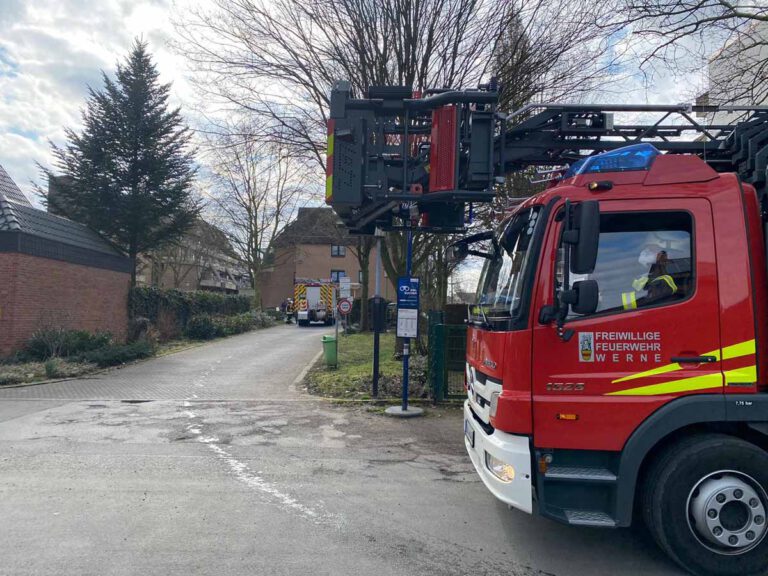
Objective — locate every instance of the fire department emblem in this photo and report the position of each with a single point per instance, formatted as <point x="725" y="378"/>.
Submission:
<point x="586" y="346"/>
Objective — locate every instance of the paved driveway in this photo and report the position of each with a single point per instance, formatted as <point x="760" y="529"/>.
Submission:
<point x="224" y="467"/>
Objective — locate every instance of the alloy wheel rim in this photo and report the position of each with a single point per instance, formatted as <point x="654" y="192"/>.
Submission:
<point x="726" y="512"/>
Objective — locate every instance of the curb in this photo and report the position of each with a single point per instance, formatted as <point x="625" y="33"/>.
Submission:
<point x="382" y="400"/>
<point x="103" y="370"/>
<point x="303" y="374"/>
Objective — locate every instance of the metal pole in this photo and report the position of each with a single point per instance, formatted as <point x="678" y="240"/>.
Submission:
<point x="407" y="342"/>
<point x="376" y="327"/>
<point x="336" y="324"/>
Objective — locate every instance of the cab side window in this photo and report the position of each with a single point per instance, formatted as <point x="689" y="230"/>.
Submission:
<point x="644" y="259"/>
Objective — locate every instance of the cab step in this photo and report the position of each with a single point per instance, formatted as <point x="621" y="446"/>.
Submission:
<point x="580" y="474"/>
<point x="593" y="518"/>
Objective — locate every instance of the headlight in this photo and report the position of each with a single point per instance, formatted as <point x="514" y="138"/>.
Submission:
<point x="503" y="471"/>
<point x="494" y="403"/>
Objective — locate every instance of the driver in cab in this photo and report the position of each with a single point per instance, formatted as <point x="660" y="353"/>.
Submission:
<point x="657" y="284"/>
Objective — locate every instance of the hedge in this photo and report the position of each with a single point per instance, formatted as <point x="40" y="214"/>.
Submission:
<point x="207" y="327"/>
<point x="149" y="302"/>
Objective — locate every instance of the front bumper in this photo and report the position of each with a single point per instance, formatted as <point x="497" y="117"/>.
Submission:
<point x="511" y="449"/>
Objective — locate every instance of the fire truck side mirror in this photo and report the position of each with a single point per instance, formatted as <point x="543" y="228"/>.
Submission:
<point x="586" y="224"/>
<point x="586" y="297"/>
<point x="458" y="251"/>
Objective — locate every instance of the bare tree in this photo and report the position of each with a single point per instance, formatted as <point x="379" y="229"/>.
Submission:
<point x="683" y="36"/>
<point x="276" y="61"/>
<point x="257" y="189"/>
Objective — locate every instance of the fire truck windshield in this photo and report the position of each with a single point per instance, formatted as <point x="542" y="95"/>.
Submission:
<point x="500" y="292"/>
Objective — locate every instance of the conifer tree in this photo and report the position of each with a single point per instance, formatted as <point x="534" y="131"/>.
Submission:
<point x="129" y="174"/>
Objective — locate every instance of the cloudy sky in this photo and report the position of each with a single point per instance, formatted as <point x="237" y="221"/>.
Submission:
<point x="52" y="50"/>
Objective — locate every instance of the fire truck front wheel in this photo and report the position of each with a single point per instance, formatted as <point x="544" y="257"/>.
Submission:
<point x="704" y="500"/>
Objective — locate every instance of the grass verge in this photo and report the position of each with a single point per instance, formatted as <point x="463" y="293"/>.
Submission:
<point x="352" y="379"/>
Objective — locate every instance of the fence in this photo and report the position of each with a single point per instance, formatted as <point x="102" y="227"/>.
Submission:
<point x="447" y="350"/>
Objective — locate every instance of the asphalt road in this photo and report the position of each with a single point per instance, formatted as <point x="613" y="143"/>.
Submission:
<point x="211" y="461"/>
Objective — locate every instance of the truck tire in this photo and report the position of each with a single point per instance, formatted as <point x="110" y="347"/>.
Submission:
<point x="705" y="502"/>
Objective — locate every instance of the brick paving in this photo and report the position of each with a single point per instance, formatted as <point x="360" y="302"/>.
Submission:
<point x="253" y="366"/>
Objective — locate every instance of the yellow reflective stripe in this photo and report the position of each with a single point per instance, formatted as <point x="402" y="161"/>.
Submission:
<point x="738" y="350"/>
<point x="703" y="382"/>
<point x="735" y="351"/>
<point x="653" y="372"/>
<point x="330" y="144"/>
<point x="629" y="300"/>
<point x="329" y="186"/>
<point x="745" y="375"/>
<point x="670" y="282"/>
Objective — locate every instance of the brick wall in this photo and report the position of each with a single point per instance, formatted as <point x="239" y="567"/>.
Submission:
<point x="35" y="291"/>
<point x="277" y="282"/>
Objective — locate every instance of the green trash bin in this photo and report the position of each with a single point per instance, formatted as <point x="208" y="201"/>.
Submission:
<point x="330" y="351"/>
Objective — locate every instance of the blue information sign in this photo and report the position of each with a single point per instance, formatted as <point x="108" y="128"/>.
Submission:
<point x="408" y="293"/>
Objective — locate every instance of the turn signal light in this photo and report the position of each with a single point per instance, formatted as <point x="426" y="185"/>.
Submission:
<point x="544" y="461"/>
<point x="571" y="417"/>
<point x="601" y="185"/>
<point x="494" y="404"/>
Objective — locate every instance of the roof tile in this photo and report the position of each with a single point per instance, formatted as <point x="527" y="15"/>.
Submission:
<point x="18" y="215"/>
<point x="9" y="189"/>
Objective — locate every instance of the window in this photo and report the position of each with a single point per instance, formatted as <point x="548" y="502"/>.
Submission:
<point x="336" y="274"/>
<point x="338" y="251"/>
<point x="501" y="288"/>
<point x="643" y="259"/>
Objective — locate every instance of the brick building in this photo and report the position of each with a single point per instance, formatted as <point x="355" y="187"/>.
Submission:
<point x="202" y="259"/>
<point x="315" y="245"/>
<point x="55" y="272"/>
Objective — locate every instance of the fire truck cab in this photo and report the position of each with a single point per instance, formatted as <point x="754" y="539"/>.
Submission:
<point x="616" y="357"/>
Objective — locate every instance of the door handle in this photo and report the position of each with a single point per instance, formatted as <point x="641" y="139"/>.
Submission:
<point x="693" y="359"/>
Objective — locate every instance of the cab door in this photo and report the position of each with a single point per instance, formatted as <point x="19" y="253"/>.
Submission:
<point x="638" y="350"/>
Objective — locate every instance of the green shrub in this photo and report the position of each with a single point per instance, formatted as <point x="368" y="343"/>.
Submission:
<point x="48" y="343"/>
<point x="7" y="379"/>
<point x="275" y="314"/>
<point x="52" y="368"/>
<point x="119" y="354"/>
<point x="263" y="320"/>
<point x="229" y="325"/>
<point x="201" y="327"/>
<point x="206" y="327"/>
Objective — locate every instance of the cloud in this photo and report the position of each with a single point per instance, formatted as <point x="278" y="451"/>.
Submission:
<point x="51" y="51"/>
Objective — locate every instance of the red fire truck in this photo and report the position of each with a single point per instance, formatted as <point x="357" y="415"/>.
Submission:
<point x="616" y="354"/>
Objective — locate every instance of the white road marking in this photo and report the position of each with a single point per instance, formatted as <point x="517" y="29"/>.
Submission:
<point x="253" y="480"/>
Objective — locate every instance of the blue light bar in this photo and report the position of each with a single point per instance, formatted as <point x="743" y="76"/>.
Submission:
<point x="635" y="157"/>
